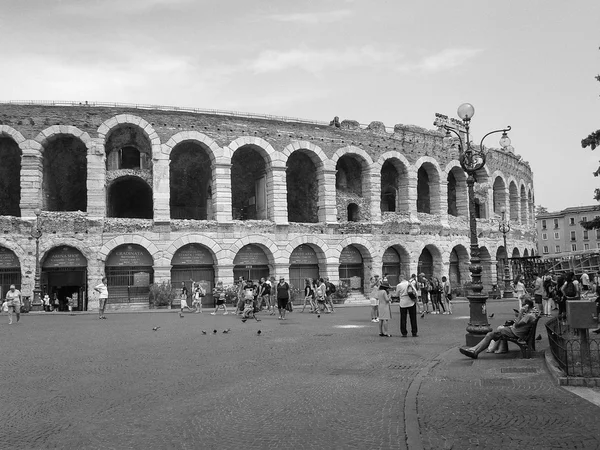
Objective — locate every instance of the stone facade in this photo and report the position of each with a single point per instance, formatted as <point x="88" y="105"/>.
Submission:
<point x="505" y="182"/>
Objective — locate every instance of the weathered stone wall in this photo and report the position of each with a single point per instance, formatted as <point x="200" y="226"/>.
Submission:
<point x="408" y="147"/>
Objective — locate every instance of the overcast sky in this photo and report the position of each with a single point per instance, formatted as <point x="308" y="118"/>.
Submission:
<point x="529" y="64"/>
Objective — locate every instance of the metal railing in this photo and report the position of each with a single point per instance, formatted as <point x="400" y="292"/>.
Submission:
<point x="576" y="355"/>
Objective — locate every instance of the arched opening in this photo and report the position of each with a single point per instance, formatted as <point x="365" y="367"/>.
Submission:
<point x="425" y="264"/>
<point x="351" y="270"/>
<point x="10" y="271"/>
<point x="353" y="212"/>
<point x="251" y="262"/>
<point x="514" y="201"/>
<point x="395" y="263"/>
<point x="302" y="188"/>
<point x="304" y="263"/>
<point x="128" y="148"/>
<point x="479" y="209"/>
<point x="194" y="262"/>
<point x="516" y="253"/>
<point x="394" y="186"/>
<point x="531" y="206"/>
<point x="65" y="174"/>
<point x="190" y="176"/>
<point x="129" y="269"/>
<point x="458" y="202"/>
<point x="428" y="189"/>
<point x="350" y="186"/>
<point x="64" y="276"/>
<point x="458" y="272"/>
<point x="130" y="197"/>
<point x="248" y="184"/>
<point x="524" y="206"/>
<point x="525" y="253"/>
<point x="499" y="195"/>
<point x="452" y="204"/>
<point x="10" y="178"/>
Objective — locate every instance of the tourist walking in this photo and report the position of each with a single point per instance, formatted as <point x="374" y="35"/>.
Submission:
<point x="13" y="301"/>
<point x="329" y="291"/>
<point x="219" y="293"/>
<point x="183" y="295"/>
<point x="538" y="291"/>
<point x="447" y="294"/>
<point x="425" y="288"/>
<point x="519" y="289"/>
<point x="436" y="296"/>
<point x="283" y="297"/>
<point x="321" y="295"/>
<point x="198" y="293"/>
<point x="408" y="307"/>
<point x="102" y="290"/>
<point x="375" y="283"/>
<point x="46" y="302"/>
<point x="384" y="310"/>
<point x="308" y="295"/>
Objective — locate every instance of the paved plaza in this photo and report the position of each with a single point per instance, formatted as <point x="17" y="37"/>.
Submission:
<point x="307" y="382"/>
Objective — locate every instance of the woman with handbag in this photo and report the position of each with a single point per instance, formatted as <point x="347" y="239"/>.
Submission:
<point x="447" y="294"/>
<point x="384" y="310"/>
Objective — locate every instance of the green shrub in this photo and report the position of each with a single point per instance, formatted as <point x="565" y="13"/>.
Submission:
<point x="162" y="294"/>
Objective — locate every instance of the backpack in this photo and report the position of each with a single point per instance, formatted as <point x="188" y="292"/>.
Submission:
<point x="332" y="288"/>
<point x="570" y="290"/>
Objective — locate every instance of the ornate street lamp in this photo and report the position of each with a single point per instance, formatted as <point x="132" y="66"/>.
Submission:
<point x="37" y="234"/>
<point x="471" y="160"/>
<point x="504" y="228"/>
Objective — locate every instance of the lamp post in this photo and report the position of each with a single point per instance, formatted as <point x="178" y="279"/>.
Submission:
<point x="504" y="228"/>
<point x="471" y="160"/>
<point x="37" y="234"/>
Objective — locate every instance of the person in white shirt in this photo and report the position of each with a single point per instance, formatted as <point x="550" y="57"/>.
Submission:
<point x="13" y="300"/>
<point x="408" y="306"/>
<point x="102" y="289"/>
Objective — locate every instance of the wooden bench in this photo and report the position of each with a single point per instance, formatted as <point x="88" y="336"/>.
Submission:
<point x="526" y="345"/>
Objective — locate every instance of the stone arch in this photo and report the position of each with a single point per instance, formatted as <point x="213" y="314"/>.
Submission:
<point x="428" y="185"/>
<point x="457" y="192"/>
<point x="437" y="263"/>
<point x="403" y="270"/>
<point x="10" y="132"/>
<point x="109" y="125"/>
<point x="516" y="253"/>
<point x="351" y="149"/>
<point x="215" y="249"/>
<point x="51" y="132"/>
<point x="211" y="147"/>
<point x="317" y="244"/>
<point x="87" y="251"/>
<point x="396" y="184"/>
<point x="314" y="151"/>
<point x="365" y="246"/>
<point x="531" y="203"/>
<point x="487" y="277"/>
<point x="523" y="204"/>
<point x="513" y="193"/>
<point x="271" y="250"/>
<point x="263" y="147"/>
<point x="129" y="239"/>
<point x="458" y="265"/>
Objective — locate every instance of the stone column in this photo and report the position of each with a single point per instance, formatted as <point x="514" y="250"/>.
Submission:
<point x="224" y="273"/>
<point x="277" y="195"/>
<point x="31" y="178"/>
<point x="373" y="194"/>
<point x="161" y="187"/>
<point x="96" y="180"/>
<point x="162" y="273"/>
<point x="327" y="196"/>
<point x="412" y="196"/>
<point x="221" y="191"/>
<point x="443" y="206"/>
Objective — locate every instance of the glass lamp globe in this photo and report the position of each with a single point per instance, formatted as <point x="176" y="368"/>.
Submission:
<point x="504" y="140"/>
<point x="466" y="111"/>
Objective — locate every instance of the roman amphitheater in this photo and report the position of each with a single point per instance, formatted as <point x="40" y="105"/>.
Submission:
<point x="145" y="194"/>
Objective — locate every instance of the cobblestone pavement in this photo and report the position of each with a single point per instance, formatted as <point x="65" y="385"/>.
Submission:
<point x="307" y="382"/>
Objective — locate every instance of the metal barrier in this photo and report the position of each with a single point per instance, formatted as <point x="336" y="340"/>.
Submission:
<point x="577" y="357"/>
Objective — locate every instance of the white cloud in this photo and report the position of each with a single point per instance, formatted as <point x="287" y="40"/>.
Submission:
<point x="441" y="61"/>
<point x="312" y="18"/>
<point x="313" y="60"/>
<point x="118" y="6"/>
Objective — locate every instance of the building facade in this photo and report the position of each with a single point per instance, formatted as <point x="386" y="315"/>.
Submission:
<point x="560" y="233"/>
<point x="147" y="194"/>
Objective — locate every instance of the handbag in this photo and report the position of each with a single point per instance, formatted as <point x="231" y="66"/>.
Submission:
<point x="449" y="296"/>
<point x="289" y="307"/>
<point x="411" y="292"/>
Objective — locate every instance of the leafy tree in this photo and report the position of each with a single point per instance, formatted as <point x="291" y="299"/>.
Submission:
<point x="539" y="209"/>
<point x="593" y="141"/>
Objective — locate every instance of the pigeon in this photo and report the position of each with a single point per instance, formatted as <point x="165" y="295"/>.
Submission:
<point x="258" y="332"/>
<point x="539" y="337"/>
<point x="491" y="315"/>
<point x="181" y="315"/>
<point x="227" y="330"/>
<point x="596" y="331"/>
<point x="155" y="328"/>
<point x="214" y="331"/>
<point x="203" y="332"/>
<point x="244" y="320"/>
<point x="318" y="315"/>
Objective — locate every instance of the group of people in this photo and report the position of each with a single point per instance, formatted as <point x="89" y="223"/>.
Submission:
<point x="413" y="293"/>
<point x="551" y="291"/>
<point x="318" y="294"/>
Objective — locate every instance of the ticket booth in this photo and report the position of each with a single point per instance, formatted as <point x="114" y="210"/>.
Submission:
<point x="129" y="269"/>
<point x="194" y="262"/>
<point x="10" y="271"/>
<point x="64" y="275"/>
<point x="303" y="264"/>
<point x="251" y="262"/>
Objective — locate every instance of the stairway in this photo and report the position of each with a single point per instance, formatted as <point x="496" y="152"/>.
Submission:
<point x="356" y="298"/>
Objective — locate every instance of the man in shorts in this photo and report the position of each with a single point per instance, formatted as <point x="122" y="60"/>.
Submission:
<point x="102" y="289"/>
<point x="13" y="300"/>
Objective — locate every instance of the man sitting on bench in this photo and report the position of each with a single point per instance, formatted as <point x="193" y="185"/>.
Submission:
<point x="519" y="330"/>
